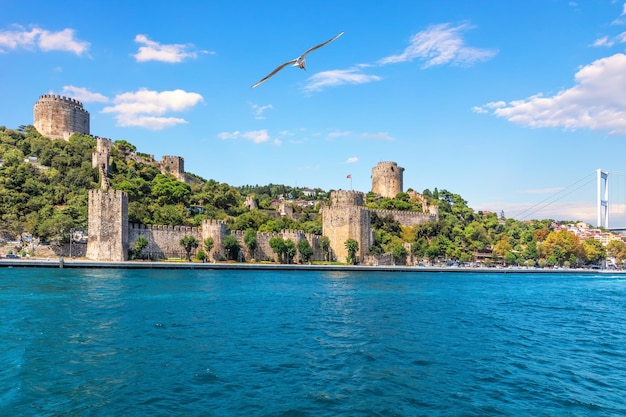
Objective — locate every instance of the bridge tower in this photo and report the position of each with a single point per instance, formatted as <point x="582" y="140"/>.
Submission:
<point x="603" y="198"/>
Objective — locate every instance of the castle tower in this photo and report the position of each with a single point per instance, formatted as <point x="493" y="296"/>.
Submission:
<point x="100" y="158"/>
<point x="346" y="218"/>
<point x="58" y="117"/>
<point x="215" y="229"/>
<point x="174" y="165"/>
<point x="387" y="179"/>
<point x="108" y="226"/>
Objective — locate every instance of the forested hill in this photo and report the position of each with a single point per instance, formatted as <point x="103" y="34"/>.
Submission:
<point x="44" y="187"/>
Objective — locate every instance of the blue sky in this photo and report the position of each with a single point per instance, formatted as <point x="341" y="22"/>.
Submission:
<point x="511" y="104"/>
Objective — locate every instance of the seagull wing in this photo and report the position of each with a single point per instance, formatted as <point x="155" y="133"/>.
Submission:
<point x="271" y="74"/>
<point x="320" y="45"/>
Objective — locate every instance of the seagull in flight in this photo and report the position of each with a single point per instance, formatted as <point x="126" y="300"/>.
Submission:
<point x="298" y="62"/>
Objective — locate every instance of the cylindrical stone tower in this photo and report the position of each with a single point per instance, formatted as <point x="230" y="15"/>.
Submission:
<point x="58" y="117"/>
<point x="387" y="179"/>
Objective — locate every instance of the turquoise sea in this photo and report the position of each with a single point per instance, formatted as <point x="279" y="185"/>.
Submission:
<point x="116" y="342"/>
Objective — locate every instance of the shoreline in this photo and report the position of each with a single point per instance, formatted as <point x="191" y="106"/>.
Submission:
<point x="73" y="263"/>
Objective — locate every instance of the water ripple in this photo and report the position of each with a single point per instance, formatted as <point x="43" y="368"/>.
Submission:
<point x="222" y="343"/>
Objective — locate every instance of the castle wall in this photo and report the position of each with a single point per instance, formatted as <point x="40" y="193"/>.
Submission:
<point x="108" y="226"/>
<point x="58" y="117"/>
<point x="387" y="179"/>
<point x="264" y="251"/>
<point x="163" y="241"/>
<point x="407" y="218"/>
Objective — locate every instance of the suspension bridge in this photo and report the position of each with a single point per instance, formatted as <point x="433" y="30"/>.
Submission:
<point x="607" y="188"/>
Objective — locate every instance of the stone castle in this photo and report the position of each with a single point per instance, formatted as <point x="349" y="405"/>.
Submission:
<point x="110" y="236"/>
<point x="58" y="117"/>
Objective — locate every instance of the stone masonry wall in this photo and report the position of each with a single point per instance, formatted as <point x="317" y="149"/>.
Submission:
<point x="407" y="218"/>
<point x="58" y="117"/>
<point x="387" y="178"/>
<point x="108" y="225"/>
<point x="342" y="221"/>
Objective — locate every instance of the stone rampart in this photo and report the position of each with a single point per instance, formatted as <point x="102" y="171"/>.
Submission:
<point x="163" y="241"/>
<point x="264" y="251"/>
<point x="407" y="218"/>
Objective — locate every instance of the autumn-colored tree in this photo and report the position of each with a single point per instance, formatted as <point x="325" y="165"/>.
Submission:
<point x="562" y="246"/>
<point x="593" y="250"/>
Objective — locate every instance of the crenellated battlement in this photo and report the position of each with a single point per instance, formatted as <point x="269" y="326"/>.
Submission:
<point x="135" y="227"/>
<point x="58" y="117"/>
<point x="57" y="98"/>
<point x="387" y="178"/>
<point x="346" y="198"/>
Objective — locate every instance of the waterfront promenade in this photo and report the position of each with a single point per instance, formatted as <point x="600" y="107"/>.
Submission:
<point x="83" y="263"/>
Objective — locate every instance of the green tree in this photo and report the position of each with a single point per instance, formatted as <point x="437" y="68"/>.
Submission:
<point x="208" y="244"/>
<point x="305" y="250"/>
<point x="398" y="252"/>
<point x="352" y="246"/>
<point x="139" y="245"/>
<point x="231" y="246"/>
<point x="290" y="250"/>
<point x="325" y="247"/>
<point x="189" y="243"/>
<point x="250" y="241"/>
<point x="278" y="246"/>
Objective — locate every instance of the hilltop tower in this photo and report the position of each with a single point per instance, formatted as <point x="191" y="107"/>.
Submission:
<point x="58" y="117"/>
<point x="174" y="165"/>
<point x="387" y="179"/>
<point x="101" y="156"/>
<point x="346" y="218"/>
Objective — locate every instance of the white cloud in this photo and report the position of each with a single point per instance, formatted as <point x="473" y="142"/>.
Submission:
<point x="83" y="95"/>
<point x="378" y="136"/>
<point x="597" y="101"/>
<point x="603" y="41"/>
<point x="256" y="136"/>
<point x="145" y="108"/>
<point x="259" y="110"/>
<point x="334" y="78"/>
<point x="623" y="10"/>
<point x="154" y="51"/>
<point x="228" y="135"/>
<point x="489" y="106"/>
<point x="438" y="45"/>
<point x="45" y="40"/>
<point x="62" y="41"/>
<point x="609" y="42"/>
<point x="339" y="134"/>
<point x="352" y="160"/>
